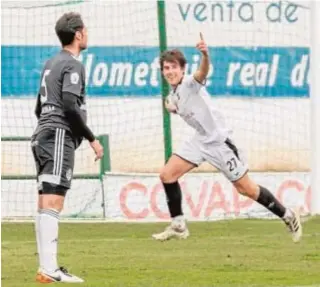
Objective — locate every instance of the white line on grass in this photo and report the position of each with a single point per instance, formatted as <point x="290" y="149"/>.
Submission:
<point x="72" y="240"/>
<point x="150" y="239"/>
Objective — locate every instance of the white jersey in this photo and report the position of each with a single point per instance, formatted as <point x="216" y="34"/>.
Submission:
<point x="195" y="107"/>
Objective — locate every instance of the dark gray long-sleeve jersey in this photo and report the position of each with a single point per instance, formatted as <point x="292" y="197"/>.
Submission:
<point x="62" y="76"/>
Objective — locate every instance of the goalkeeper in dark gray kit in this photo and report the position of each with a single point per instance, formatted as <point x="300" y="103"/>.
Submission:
<point x="62" y="116"/>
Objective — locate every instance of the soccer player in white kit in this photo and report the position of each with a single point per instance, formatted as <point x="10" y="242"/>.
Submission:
<point x="211" y="143"/>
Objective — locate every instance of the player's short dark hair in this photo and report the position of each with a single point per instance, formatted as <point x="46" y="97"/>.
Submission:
<point x="174" y="55"/>
<point x="66" y="27"/>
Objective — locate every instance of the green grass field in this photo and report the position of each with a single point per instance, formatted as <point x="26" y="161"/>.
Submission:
<point x="230" y="253"/>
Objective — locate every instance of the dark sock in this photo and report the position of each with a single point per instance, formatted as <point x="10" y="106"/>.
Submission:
<point x="174" y="198"/>
<point x="267" y="199"/>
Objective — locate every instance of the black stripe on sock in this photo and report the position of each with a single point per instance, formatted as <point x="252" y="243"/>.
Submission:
<point x="49" y="212"/>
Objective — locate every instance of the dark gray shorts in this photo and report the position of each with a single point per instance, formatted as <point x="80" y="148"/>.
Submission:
<point x="53" y="151"/>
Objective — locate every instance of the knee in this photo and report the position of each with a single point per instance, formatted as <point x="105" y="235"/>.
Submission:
<point x="51" y="201"/>
<point x="166" y="176"/>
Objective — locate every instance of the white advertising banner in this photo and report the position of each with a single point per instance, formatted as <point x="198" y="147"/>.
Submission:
<point x="205" y="196"/>
<point x="141" y="198"/>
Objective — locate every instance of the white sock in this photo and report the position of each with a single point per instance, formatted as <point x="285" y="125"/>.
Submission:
<point x="48" y="235"/>
<point x="37" y="230"/>
<point x="179" y="218"/>
<point x="287" y="214"/>
<point x="179" y="222"/>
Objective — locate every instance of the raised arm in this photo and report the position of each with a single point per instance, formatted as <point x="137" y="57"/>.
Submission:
<point x="201" y="74"/>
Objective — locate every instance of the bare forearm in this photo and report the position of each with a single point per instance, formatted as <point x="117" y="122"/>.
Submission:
<point x="201" y="74"/>
<point x="204" y="65"/>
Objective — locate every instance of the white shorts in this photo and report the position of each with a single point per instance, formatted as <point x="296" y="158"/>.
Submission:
<point x="225" y="157"/>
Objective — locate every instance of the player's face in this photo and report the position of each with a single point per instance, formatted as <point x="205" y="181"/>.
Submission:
<point x="172" y="72"/>
<point x="83" y="38"/>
